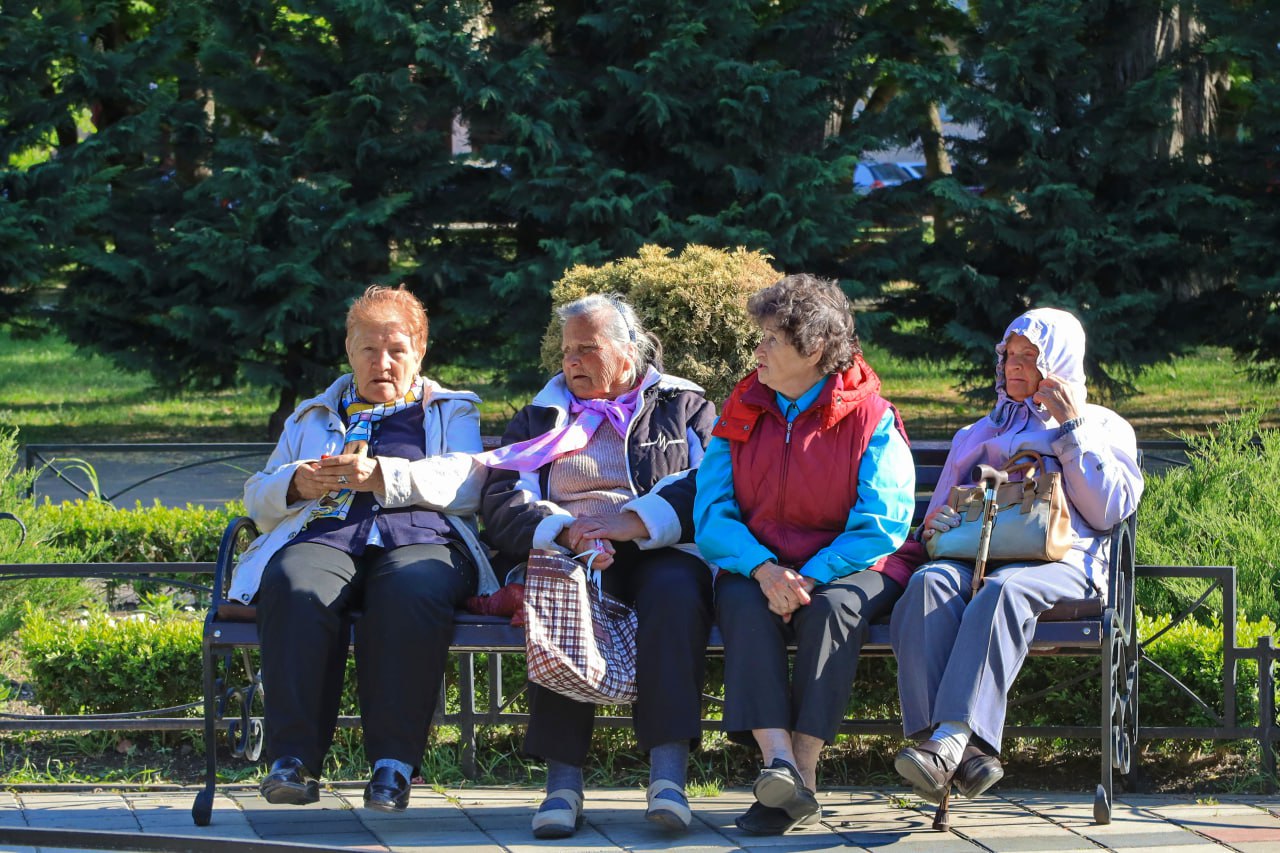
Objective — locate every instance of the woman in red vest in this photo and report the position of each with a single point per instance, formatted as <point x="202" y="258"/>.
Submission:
<point x="806" y="487"/>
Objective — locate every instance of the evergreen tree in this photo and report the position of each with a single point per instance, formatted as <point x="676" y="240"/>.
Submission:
<point x="1243" y="160"/>
<point x="652" y="121"/>
<point x="1086" y="205"/>
<point x="316" y="161"/>
<point x="64" y="69"/>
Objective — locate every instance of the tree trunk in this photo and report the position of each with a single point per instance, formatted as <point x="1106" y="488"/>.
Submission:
<point x="284" y="408"/>
<point x="1171" y="35"/>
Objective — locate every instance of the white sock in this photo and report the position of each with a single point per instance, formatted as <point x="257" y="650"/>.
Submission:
<point x="951" y="737"/>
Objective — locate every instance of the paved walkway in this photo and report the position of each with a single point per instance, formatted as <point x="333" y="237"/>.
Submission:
<point x="497" y="819"/>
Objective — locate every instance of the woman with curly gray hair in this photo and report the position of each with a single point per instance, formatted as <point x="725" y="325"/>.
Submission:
<point x="806" y="489"/>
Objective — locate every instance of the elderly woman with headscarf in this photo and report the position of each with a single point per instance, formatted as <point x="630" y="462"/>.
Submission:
<point x="957" y="658"/>
<point x="578" y="473"/>
<point x="368" y="502"/>
<point x="807" y="488"/>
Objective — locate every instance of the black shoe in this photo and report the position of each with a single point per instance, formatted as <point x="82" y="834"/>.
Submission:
<point x="925" y="770"/>
<point x="780" y="786"/>
<point x="289" y="783"/>
<point x="387" y="791"/>
<point x="763" y="820"/>
<point x="978" y="771"/>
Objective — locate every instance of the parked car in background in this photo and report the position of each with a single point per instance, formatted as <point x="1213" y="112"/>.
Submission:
<point x="916" y="170"/>
<point x="874" y="176"/>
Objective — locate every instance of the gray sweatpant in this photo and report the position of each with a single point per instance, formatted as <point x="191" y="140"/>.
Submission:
<point x="957" y="659"/>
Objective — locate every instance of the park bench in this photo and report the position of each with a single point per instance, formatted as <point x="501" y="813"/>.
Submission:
<point x="1078" y="628"/>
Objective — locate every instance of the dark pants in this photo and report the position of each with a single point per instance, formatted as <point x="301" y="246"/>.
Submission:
<point x="671" y="591"/>
<point x="828" y="634"/>
<point x="407" y="596"/>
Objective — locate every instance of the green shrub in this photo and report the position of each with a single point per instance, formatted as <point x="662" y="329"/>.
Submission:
<point x="42" y="545"/>
<point x="1218" y="510"/>
<point x="695" y="302"/>
<point x="156" y="533"/>
<point x="1192" y="652"/>
<point x="104" y="664"/>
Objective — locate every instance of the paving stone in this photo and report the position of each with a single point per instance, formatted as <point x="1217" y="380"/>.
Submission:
<point x="343" y="842"/>
<point x="82" y="820"/>
<point x="422" y="814"/>
<point x="1200" y="846"/>
<point x="178" y="822"/>
<point x="1254" y="846"/>
<point x="457" y="838"/>
<point x="587" y="840"/>
<point x="1030" y="843"/>
<point x="1166" y="838"/>
<point x="308" y="827"/>
<point x="389" y="830"/>
<point x="647" y="836"/>
<point x="461" y="845"/>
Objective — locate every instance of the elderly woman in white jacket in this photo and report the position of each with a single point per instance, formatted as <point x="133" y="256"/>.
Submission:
<point x="958" y="657"/>
<point x="367" y="503"/>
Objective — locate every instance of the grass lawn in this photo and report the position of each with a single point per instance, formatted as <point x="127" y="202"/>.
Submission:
<point x="54" y="394"/>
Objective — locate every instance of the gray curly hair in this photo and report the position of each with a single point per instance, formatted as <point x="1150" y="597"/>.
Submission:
<point x="814" y="314"/>
<point x="620" y="324"/>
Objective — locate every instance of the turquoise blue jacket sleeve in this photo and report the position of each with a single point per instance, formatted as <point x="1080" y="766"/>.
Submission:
<point x="721" y="536"/>
<point x="877" y="525"/>
<point x="879" y="521"/>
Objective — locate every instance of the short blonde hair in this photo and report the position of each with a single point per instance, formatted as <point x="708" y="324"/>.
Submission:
<point x="379" y="304"/>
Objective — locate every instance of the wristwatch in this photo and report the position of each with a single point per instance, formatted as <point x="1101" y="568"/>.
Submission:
<point x="1070" y="426"/>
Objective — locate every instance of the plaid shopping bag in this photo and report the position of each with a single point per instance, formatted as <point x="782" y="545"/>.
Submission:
<point x="579" y="640"/>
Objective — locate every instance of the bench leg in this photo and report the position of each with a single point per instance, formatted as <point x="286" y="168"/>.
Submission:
<point x="467" y="713"/>
<point x="1110" y="690"/>
<point x="202" y="809"/>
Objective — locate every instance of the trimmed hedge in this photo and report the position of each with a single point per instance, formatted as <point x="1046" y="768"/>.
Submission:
<point x="100" y="663"/>
<point x="143" y="534"/>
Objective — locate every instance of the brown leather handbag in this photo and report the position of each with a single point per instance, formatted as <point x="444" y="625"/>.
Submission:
<point x="1032" y="521"/>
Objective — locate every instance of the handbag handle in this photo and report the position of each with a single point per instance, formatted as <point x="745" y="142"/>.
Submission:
<point x="1034" y="461"/>
<point x="593" y="575"/>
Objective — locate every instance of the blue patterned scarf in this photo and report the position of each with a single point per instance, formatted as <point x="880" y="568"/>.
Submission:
<point x="360" y="418"/>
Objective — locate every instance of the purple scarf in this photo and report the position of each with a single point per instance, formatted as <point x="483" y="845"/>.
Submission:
<point x="585" y="417"/>
<point x="1010" y="425"/>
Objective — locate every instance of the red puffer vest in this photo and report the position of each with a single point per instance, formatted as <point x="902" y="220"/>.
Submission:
<point x="796" y="483"/>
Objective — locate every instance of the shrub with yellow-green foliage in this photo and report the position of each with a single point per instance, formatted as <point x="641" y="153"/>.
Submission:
<point x="104" y="664"/>
<point x="695" y="302"/>
<point x="154" y="534"/>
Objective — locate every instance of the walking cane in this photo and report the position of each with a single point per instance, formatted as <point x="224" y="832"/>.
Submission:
<point x="990" y="479"/>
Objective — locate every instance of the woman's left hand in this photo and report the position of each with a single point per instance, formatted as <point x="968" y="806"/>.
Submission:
<point x="1063" y="399"/>
<point x="353" y="471"/>
<point x="624" y="526"/>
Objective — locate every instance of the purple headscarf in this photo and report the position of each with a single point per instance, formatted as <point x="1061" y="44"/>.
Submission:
<point x="1010" y="425"/>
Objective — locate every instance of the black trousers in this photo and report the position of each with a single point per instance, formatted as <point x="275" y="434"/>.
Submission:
<point x="828" y="633"/>
<point x="671" y="591"/>
<point x="407" y="595"/>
